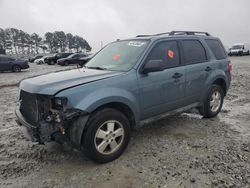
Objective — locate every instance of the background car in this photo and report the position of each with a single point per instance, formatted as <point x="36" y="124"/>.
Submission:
<point x="12" y="64"/>
<point x="239" y="49"/>
<point x="32" y="59"/>
<point x="84" y="60"/>
<point x="72" y="59"/>
<point x="53" y="59"/>
<point x="41" y="60"/>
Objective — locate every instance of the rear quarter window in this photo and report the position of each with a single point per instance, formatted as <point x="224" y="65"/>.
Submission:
<point x="193" y="52"/>
<point x="217" y="48"/>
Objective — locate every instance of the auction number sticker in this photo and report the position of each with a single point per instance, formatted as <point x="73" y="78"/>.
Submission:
<point x="136" y="43"/>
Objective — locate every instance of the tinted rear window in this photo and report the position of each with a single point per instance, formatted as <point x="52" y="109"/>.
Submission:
<point x="216" y="48"/>
<point x="193" y="51"/>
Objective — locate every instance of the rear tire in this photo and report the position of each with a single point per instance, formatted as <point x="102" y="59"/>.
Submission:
<point x="16" y="68"/>
<point x="213" y="102"/>
<point x="107" y="135"/>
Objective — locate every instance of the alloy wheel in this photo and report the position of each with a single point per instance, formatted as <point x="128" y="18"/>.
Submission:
<point x="109" y="137"/>
<point x="215" y="101"/>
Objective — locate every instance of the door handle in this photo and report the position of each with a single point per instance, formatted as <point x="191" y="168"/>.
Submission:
<point x="177" y="75"/>
<point x="208" y="69"/>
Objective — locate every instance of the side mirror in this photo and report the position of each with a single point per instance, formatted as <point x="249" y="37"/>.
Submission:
<point x="153" y="66"/>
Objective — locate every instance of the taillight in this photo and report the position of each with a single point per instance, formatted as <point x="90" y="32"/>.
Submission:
<point x="230" y="67"/>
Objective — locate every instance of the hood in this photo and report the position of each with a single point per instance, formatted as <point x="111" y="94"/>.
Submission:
<point x="51" y="83"/>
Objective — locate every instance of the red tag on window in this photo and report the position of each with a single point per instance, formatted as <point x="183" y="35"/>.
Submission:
<point x="116" y="56"/>
<point x="170" y="54"/>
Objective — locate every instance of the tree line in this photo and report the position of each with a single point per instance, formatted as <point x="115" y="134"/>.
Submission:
<point x="16" y="41"/>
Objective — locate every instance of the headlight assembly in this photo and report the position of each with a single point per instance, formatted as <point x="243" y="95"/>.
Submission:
<point x="59" y="103"/>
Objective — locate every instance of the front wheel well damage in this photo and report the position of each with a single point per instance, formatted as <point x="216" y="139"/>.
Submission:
<point x="122" y="108"/>
<point x="79" y="126"/>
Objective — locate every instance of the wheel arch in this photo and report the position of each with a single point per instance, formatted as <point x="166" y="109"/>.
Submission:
<point x="221" y="82"/>
<point x="77" y="130"/>
<point x="122" y="107"/>
<point x="15" y="65"/>
<point x="118" y="99"/>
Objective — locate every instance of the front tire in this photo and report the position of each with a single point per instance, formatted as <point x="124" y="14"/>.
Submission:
<point x="213" y="102"/>
<point x="16" y="68"/>
<point x="107" y="135"/>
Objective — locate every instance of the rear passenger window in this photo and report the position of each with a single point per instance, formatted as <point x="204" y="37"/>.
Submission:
<point x="167" y="52"/>
<point x="217" y="48"/>
<point x="193" y="51"/>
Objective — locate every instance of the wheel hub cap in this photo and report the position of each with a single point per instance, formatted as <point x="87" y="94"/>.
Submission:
<point x="109" y="137"/>
<point x="215" y="101"/>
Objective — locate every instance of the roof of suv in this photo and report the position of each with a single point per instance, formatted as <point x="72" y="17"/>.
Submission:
<point x="176" y="34"/>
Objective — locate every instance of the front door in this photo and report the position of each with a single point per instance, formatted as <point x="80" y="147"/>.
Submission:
<point x="162" y="91"/>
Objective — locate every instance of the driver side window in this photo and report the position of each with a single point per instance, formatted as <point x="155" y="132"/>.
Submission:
<point x="167" y="52"/>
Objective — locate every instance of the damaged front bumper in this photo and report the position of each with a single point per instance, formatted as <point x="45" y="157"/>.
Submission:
<point x="41" y="132"/>
<point x="29" y="131"/>
<point x="44" y="131"/>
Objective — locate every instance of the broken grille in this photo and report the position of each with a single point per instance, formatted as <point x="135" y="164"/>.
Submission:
<point x="28" y="107"/>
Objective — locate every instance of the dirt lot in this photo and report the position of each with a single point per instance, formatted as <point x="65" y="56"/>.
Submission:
<point x="180" y="151"/>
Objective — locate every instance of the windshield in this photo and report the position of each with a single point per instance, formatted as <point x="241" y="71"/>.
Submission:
<point x="118" y="56"/>
<point x="237" y="47"/>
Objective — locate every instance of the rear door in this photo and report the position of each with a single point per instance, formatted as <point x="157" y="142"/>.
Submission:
<point x="162" y="91"/>
<point x="219" y="59"/>
<point x="197" y="69"/>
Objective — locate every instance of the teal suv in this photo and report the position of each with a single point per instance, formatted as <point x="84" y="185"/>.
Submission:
<point x="127" y="83"/>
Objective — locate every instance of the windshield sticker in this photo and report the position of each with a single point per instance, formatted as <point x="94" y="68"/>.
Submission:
<point x="170" y="54"/>
<point x="116" y="57"/>
<point x="136" y="43"/>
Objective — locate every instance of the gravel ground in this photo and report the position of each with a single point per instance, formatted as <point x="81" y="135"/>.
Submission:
<point x="180" y="151"/>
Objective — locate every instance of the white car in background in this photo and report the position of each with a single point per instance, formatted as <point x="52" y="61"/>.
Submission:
<point x="239" y="49"/>
<point x="40" y="61"/>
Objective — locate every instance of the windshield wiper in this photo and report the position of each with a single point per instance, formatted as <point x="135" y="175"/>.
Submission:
<point x="98" y="68"/>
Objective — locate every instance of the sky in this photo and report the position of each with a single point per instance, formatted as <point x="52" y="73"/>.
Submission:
<point x="103" y="21"/>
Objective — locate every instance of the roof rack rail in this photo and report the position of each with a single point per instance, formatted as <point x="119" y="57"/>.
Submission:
<point x="144" y="35"/>
<point x="189" y="33"/>
<point x="178" y="33"/>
